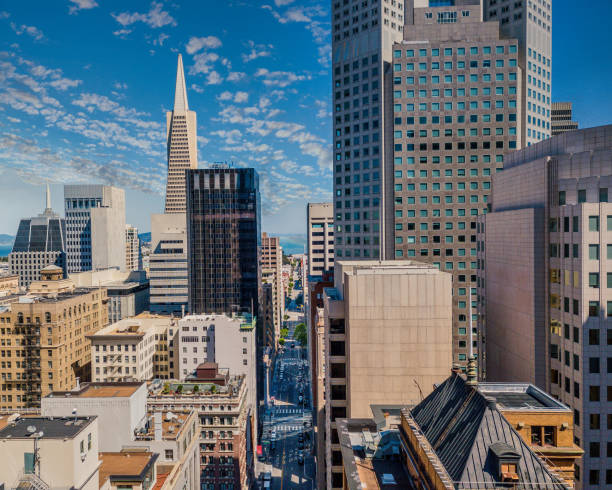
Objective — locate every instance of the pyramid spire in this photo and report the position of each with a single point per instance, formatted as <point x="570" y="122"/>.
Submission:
<point x="180" y="92"/>
<point x="48" y="206"/>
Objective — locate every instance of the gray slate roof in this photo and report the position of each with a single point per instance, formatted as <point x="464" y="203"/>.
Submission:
<point x="461" y="426"/>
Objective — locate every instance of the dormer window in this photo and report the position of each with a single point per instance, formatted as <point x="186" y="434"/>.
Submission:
<point x="506" y="459"/>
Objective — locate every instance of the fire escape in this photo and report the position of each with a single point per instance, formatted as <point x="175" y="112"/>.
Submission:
<point x="31" y="363"/>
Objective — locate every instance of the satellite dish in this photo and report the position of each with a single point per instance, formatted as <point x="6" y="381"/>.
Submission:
<point x="41" y="433"/>
<point x="31" y="429"/>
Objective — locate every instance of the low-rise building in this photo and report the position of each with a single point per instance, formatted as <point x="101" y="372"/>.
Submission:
<point x="126" y="350"/>
<point x="9" y="284"/>
<point x="46" y="453"/>
<point x="122" y="406"/>
<point x="225" y="426"/>
<point x="130" y="468"/>
<point x="43" y="344"/>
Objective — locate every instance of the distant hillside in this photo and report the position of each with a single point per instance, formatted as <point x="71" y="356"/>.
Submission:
<point x="292" y="244"/>
<point x="145" y="237"/>
<point x="6" y="244"/>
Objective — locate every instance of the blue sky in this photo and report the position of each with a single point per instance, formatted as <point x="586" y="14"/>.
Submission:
<point x="84" y="86"/>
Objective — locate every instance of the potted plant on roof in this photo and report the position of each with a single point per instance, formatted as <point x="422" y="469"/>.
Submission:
<point x="196" y="388"/>
<point x="179" y="389"/>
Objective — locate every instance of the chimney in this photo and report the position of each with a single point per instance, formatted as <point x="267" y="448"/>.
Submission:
<point x="182" y="311"/>
<point x="77" y="386"/>
<point x="157" y="422"/>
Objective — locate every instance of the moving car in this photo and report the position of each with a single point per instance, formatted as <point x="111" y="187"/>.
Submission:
<point x="300" y="458"/>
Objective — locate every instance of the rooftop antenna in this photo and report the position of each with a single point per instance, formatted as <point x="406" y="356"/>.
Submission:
<point x="472" y="373"/>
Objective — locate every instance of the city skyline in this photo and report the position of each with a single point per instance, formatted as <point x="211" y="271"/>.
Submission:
<point x="86" y="117"/>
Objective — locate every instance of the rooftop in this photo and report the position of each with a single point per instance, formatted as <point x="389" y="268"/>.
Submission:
<point x="133" y="327"/>
<point x="100" y="390"/>
<point x="371" y="457"/>
<point x="51" y="427"/>
<point x="172" y="424"/>
<point x="175" y="388"/>
<point x="125" y="465"/>
<point x="521" y="396"/>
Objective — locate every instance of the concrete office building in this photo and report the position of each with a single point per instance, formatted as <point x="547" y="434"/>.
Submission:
<point x="266" y="316"/>
<point x="544" y="254"/>
<point x="47" y="452"/>
<point x="127" y="291"/>
<point x="362" y="38"/>
<point x="40" y="241"/>
<point x="561" y="118"/>
<point x="224" y="240"/>
<point x="530" y="22"/>
<point x="43" y="339"/>
<point x="320" y="237"/>
<point x="455" y="110"/>
<point x="271" y="273"/>
<point x="388" y="340"/>
<point x="95" y="224"/>
<point x="133" y="257"/>
<point x="181" y="135"/>
<point x="168" y="263"/>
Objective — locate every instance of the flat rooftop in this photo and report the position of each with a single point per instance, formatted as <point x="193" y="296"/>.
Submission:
<point x="520" y="396"/>
<point x="133" y="327"/>
<point x="52" y="428"/>
<point x="172" y="425"/>
<point x="372" y="471"/>
<point x="125" y="465"/>
<point x="100" y="390"/>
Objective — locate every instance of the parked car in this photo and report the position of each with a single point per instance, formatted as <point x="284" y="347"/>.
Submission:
<point x="300" y="458"/>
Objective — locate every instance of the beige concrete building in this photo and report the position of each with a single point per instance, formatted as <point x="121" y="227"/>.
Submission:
<point x="45" y="453"/>
<point x="545" y="279"/>
<point x="133" y="257"/>
<point x="43" y="343"/>
<point x="320" y="237"/>
<point x="561" y="118"/>
<point x="181" y="134"/>
<point x="168" y="263"/>
<point x="126" y="350"/>
<point x="388" y="341"/>
<point x="271" y="273"/>
<point x="9" y="284"/>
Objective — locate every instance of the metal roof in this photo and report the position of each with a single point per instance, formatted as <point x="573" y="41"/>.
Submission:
<point x="464" y="427"/>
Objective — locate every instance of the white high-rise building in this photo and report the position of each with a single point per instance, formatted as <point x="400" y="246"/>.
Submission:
<point x="95" y="227"/>
<point x="530" y="22"/>
<point x="182" y="144"/>
<point x="133" y="257"/>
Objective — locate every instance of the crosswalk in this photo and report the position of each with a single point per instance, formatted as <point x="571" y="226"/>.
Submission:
<point x="287" y="411"/>
<point x="288" y="428"/>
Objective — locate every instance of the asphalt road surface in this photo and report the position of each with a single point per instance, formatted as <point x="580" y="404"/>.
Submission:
<point x="287" y="442"/>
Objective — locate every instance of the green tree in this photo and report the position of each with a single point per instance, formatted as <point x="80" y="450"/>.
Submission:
<point x="179" y="389"/>
<point x="284" y="332"/>
<point x="281" y="341"/>
<point x="196" y="388"/>
<point x="300" y="334"/>
<point x="213" y="389"/>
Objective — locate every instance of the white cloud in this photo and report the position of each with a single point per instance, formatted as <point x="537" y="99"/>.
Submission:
<point x="4" y="15"/>
<point x="280" y="3"/>
<point x="81" y="5"/>
<point x="64" y="84"/>
<point x="238" y="97"/>
<point x="29" y="30"/>
<point x="120" y="85"/>
<point x="195" y="44"/>
<point x="155" y="17"/>
<point x="279" y="78"/>
<point x="13" y="119"/>
<point x="235" y="76"/>
<point x="213" y="78"/>
<point x="203" y="63"/>
<point x="197" y="88"/>
<point x="232" y="137"/>
<point x="122" y="33"/>
<point x="256" y="51"/>
<point x="160" y="39"/>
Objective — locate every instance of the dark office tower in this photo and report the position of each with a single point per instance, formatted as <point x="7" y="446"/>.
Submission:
<point x="223" y="240"/>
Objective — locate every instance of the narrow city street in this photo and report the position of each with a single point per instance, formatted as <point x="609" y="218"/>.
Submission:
<point x="287" y="434"/>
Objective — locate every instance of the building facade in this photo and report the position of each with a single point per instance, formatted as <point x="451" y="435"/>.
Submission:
<point x="224" y="240"/>
<point x="127" y="291"/>
<point x="455" y="111"/>
<point x="561" y="118"/>
<point x="388" y="340"/>
<point x="181" y="135"/>
<point x="271" y="273"/>
<point x="43" y="339"/>
<point x="226" y="457"/>
<point x="320" y="237"/>
<point x="133" y="257"/>
<point x="40" y="241"/>
<point x="168" y="263"/>
<point x="543" y="283"/>
<point x="95" y="227"/>
<point x="531" y="24"/>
